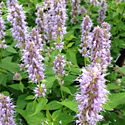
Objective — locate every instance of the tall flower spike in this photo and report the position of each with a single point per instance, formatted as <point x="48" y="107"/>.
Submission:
<point x="107" y="45"/>
<point x="40" y="91"/>
<point x="33" y="62"/>
<point x="86" y="36"/>
<point x="55" y="21"/>
<point x="97" y="45"/>
<point x="92" y="96"/>
<point x="6" y="111"/>
<point x="40" y="22"/>
<point x="2" y="28"/>
<point x="94" y="2"/>
<point x="17" y="18"/>
<point x="36" y="37"/>
<point x="75" y="10"/>
<point x="102" y="11"/>
<point x="58" y="68"/>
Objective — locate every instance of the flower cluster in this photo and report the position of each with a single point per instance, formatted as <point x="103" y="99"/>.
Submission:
<point x="40" y="91"/>
<point x="17" y="19"/>
<point x="36" y="38"/>
<point x="33" y="62"/>
<point x="102" y="11"/>
<point x="83" y="11"/>
<point x="58" y="68"/>
<point x="55" y="20"/>
<point x="92" y="96"/>
<point x="2" y="28"/>
<point x="94" y="2"/>
<point x="86" y="36"/>
<point x="6" y="111"/>
<point x="74" y="10"/>
<point x="40" y="22"/>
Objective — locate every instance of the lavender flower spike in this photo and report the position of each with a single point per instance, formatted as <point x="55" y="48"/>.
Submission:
<point x="2" y="28"/>
<point x="75" y="10"/>
<point x="92" y="96"/>
<point x="102" y="11"/>
<point x="40" y="91"/>
<point x="94" y="2"/>
<point x="55" y="20"/>
<point x="17" y="18"/>
<point x="33" y="62"/>
<point x="40" y="23"/>
<point x="86" y="36"/>
<point x="58" y="68"/>
<point x="6" y="111"/>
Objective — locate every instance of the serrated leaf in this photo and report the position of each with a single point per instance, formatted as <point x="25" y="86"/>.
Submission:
<point x="66" y="89"/>
<point x="11" y="49"/>
<point x="53" y="105"/>
<point x="3" y="79"/>
<point x="30" y="97"/>
<point x="72" y="105"/>
<point x="40" y="105"/>
<point x="55" y="114"/>
<point x="49" y="81"/>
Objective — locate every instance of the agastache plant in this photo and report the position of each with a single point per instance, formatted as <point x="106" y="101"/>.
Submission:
<point x="17" y="18"/>
<point x="58" y="68"/>
<point x="6" y="111"/>
<point x="92" y="96"/>
<point x="94" y="2"/>
<point x="86" y="36"/>
<point x="32" y="59"/>
<point x="75" y="10"/>
<point x="55" y="22"/>
<point x="40" y="91"/>
<point x="102" y="11"/>
<point x="40" y="22"/>
<point x="2" y="34"/>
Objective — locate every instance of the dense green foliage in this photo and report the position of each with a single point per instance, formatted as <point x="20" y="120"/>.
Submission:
<point x="56" y="109"/>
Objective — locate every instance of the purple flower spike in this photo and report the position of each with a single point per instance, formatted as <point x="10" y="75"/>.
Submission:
<point x="75" y="10"/>
<point x="6" y="111"/>
<point x="17" y="18"/>
<point x="94" y="2"/>
<point x="86" y="36"/>
<point x="33" y="62"/>
<point x="40" y="91"/>
<point x="102" y="11"/>
<point x="92" y="96"/>
<point x="55" y="20"/>
<point x="40" y="22"/>
<point x="58" y="68"/>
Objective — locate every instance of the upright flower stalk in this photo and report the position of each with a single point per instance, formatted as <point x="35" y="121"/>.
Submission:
<point x="92" y="96"/>
<point x="6" y="111"/>
<point x="58" y="68"/>
<point x="94" y="2"/>
<point x="55" y="22"/>
<point x="102" y="11"/>
<point x="32" y="58"/>
<point x="17" y="18"/>
<point x="86" y="36"/>
<point x="75" y="10"/>
<point x="40" y="22"/>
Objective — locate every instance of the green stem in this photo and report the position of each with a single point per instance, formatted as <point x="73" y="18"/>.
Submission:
<point x="62" y="94"/>
<point x="85" y="61"/>
<point x="47" y="110"/>
<point x="0" y="55"/>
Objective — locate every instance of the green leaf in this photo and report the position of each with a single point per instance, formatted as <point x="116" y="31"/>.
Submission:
<point x="40" y="105"/>
<point x="50" y="80"/>
<point x="66" y="89"/>
<point x="116" y="99"/>
<point x="70" y="44"/>
<point x="21" y="86"/>
<point x="31" y="120"/>
<point x="71" y="56"/>
<point x="72" y="105"/>
<point x="53" y="105"/>
<point x="112" y="87"/>
<point x="30" y="97"/>
<point x="3" y="79"/>
<point x="6" y="93"/>
<point x="11" y="49"/>
<point x="55" y="114"/>
<point x="8" y="65"/>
